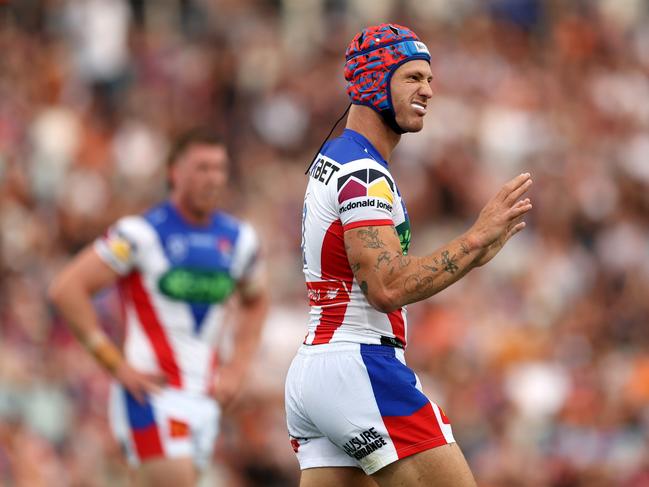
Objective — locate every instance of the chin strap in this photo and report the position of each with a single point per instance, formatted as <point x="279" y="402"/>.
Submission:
<point x="327" y="138"/>
<point x="390" y="119"/>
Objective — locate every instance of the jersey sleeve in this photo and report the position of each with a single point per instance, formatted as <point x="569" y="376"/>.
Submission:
<point x="247" y="266"/>
<point x="365" y="195"/>
<point x="118" y="246"/>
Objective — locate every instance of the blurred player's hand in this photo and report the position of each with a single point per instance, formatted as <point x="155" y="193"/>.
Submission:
<point x="501" y="217"/>
<point x="226" y="385"/>
<point x="140" y="385"/>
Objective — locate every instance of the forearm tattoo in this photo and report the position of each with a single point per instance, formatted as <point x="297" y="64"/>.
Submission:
<point x="464" y="247"/>
<point x="419" y="286"/>
<point x="421" y="279"/>
<point x="450" y="262"/>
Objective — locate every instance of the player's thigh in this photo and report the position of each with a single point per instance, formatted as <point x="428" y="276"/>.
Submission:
<point x="167" y="472"/>
<point x="338" y="476"/>
<point x="444" y="466"/>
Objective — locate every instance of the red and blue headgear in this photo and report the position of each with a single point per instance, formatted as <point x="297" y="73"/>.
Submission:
<point x="373" y="56"/>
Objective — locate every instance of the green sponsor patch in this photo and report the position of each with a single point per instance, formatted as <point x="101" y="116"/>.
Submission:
<point x="196" y="286"/>
<point x="403" y="231"/>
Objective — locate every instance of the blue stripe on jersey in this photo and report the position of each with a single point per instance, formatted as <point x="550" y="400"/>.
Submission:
<point x="206" y="248"/>
<point x="393" y="383"/>
<point x="351" y="146"/>
<point x="139" y="415"/>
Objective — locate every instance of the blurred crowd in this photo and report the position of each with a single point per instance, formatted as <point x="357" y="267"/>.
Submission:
<point x="540" y="359"/>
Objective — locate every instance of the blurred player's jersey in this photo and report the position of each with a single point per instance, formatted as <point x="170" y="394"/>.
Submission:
<point x="176" y="277"/>
<point x="349" y="186"/>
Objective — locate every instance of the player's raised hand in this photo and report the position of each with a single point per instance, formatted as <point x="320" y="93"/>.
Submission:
<point x="501" y="218"/>
<point x="139" y="384"/>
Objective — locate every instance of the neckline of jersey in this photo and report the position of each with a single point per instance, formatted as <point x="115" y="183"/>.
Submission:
<point x="366" y="144"/>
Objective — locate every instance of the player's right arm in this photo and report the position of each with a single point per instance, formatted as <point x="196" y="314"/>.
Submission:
<point x="71" y="293"/>
<point x="391" y="280"/>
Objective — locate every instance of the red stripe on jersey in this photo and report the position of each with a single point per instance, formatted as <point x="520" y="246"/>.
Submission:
<point x="418" y="432"/>
<point x="398" y="327"/>
<point x="367" y="223"/>
<point x="147" y="442"/>
<point x="335" y="267"/>
<point x="326" y="293"/>
<point x="153" y="329"/>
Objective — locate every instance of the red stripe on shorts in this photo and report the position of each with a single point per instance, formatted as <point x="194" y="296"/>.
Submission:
<point x="147" y="442"/>
<point x="418" y="432"/>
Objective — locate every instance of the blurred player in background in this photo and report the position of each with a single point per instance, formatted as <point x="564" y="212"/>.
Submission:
<point x="176" y="266"/>
<point x="351" y="400"/>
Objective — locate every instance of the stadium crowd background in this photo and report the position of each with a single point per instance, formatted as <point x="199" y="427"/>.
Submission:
<point x="541" y="359"/>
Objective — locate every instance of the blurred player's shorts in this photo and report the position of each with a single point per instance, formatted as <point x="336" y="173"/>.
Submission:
<point x="170" y="424"/>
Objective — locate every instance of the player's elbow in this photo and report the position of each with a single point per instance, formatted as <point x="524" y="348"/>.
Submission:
<point x="383" y="300"/>
<point x="56" y="292"/>
<point x="61" y="289"/>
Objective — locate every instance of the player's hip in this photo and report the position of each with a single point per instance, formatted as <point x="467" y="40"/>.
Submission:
<point x="365" y="401"/>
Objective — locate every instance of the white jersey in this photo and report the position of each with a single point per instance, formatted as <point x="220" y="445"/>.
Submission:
<point x="349" y="186"/>
<point x="175" y="279"/>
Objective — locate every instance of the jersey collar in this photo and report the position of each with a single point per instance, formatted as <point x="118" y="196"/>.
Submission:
<point x="366" y="144"/>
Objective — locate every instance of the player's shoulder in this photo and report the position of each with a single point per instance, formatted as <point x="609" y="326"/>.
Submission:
<point x="343" y="156"/>
<point x="157" y="215"/>
<point x="132" y="225"/>
<point x="344" y="150"/>
<point x="352" y="152"/>
<point x="234" y="227"/>
<point x="227" y="221"/>
<point x="352" y="148"/>
<point x="141" y="228"/>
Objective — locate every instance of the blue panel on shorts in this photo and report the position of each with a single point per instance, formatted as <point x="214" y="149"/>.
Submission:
<point x="139" y="415"/>
<point x="393" y="383"/>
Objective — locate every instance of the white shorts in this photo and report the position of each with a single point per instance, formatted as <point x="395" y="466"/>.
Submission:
<point x="171" y="424"/>
<point x="355" y="405"/>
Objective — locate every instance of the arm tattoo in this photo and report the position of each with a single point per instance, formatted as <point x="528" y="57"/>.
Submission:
<point x="419" y="286"/>
<point x="403" y="261"/>
<point x="355" y="267"/>
<point x="382" y="257"/>
<point x="450" y="262"/>
<point x="465" y="248"/>
<point x="371" y="238"/>
<point x="430" y="268"/>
